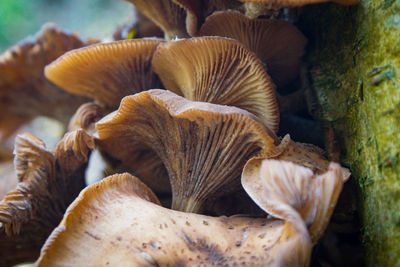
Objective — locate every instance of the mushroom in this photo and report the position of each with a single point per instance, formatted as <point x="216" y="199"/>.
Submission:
<point x="166" y="14"/>
<point x="202" y="145"/>
<point x="198" y="10"/>
<point x="47" y="183"/>
<point x="286" y="190"/>
<point x="118" y="222"/>
<point x="217" y="70"/>
<point x="121" y="68"/>
<point x="24" y="91"/>
<point x="277" y="43"/>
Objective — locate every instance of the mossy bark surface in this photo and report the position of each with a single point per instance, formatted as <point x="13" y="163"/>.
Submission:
<point x="354" y="67"/>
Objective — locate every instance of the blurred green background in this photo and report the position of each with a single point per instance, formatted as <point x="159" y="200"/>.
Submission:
<point x="91" y="18"/>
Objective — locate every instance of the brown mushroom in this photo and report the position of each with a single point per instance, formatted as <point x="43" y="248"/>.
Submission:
<point x="217" y="70"/>
<point x="277" y="43"/>
<point x="121" y="68"/>
<point x="202" y="145"/>
<point x="166" y="14"/>
<point x="198" y="10"/>
<point x="24" y="91"/>
<point x="283" y="188"/>
<point x="47" y="183"/>
<point x="117" y="222"/>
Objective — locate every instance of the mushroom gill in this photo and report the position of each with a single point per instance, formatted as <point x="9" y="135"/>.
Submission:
<point x="203" y="146"/>
<point x="277" y="43"/>
<point x="166" y="14"/>
<point x="106" y="72"/>
<point x="118" y="222"/>
<point x="47" y="183"/>
<point x="24" y="91"/>
<point x="220" y="71"/>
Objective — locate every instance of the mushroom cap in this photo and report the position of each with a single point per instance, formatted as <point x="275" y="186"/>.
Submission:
<point x="24" y="91"/>
<point x="295" y="3"/>
<point x="277" y="43"/>
<point x="117" y="69"/>
<point x="47" y="183"/>
<point x="289" y="191"/>
<point x="117" y="222"/>
<point x="85" y="117"/>
<point x="202" y="145"/>
<point x="220" y="71"/>
<point x="198" y="10"/>
<point x="166" y="14"/>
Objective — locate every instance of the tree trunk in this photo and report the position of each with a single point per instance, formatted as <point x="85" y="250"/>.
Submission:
<point x="354" y="60"/>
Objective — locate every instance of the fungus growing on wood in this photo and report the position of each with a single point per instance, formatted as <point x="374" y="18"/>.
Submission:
<point x="286" y="190"/>
<point x="120" y="68"/>
<point x="166" y="14"/>
<point x="220" y="71"/>
<point x="198" y="10"/>
<point x="202" y="145"/>
<point x="24" y="91"/>
<point x="47" y="183"/>
<point x="118" y="222"/>
<point x="277" y="43"/>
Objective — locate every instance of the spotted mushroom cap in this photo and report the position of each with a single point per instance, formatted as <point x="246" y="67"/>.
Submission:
<point x="118" y="222"/>
<point x="287" y="190"/>
<point x="47" y="183"/>
<point x="277" y="43"/>
<point x="202" y="145"/>
<point x="166" y="14"/>
<point x="107" y="72"/>
<point x="220" y="71"/>
<point x="24" y="91"/>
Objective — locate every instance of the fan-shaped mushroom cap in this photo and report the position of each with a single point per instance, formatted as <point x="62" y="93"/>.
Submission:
<point x="117" y="222"/>
<point x="198" y="10"/>
<point x="48" y="183"/>
<point x="203" y="146"/>
<point x="294" y="3"/>
<point x="277" y="43"/>
<point x="166" y="14"/>
<point x="286" y="190"/>
<point x="107" y="72"/>
<point x="24" y="91"/>
<point x="85" y="117"/>
<point x="220" y="71"/>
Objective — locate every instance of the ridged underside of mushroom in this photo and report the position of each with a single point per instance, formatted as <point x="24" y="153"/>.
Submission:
<point x="107" y="72"/>
<point x="111" y="223"/>
<point x="85" y="117"/>
<point x="198" y="10"/>
<point x="290" y="191"/>
<point x="296" y="3"/>
<point x="220" y="71"/>
<point x="48" y="183"/>
<point x="277" y="43"/>
<point x="24" y="91"/>
<point x="203" y="146"/>
<point x="166" y="14"/>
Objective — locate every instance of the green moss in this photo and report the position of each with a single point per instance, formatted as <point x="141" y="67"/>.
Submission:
<point x="355" y="67"/>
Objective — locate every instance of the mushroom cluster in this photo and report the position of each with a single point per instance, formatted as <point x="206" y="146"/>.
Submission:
<point x="187" y="125"/>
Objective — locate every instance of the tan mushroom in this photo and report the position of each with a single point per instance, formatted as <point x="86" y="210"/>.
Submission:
<point x="277" y="43"/>
<point x="283" y="188"/>
<point x="24" y="91"/>
<point x="203" y="146"/>
<point x="218" y="70"/>
<point x="117" y="69"/>
<point x="166" y="14"/>
<point x="117" y="222"/>
<point x="47" y="183"/>
<point x="198" y="10"/>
